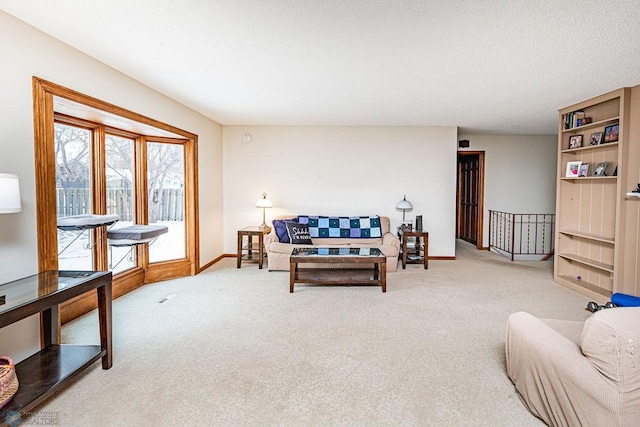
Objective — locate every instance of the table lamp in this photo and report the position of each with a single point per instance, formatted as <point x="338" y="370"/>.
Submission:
<point x="264" y="203"/>
<point x="9" y="194"/>
<point x="405" y="205"/>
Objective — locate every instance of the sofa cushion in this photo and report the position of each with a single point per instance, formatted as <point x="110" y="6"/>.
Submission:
<point x="281" y="231"/>
<point x="298" y="233"/>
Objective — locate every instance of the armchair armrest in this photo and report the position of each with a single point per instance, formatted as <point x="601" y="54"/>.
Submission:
<point x="556" y="381"/>
<point x="270" y="238"/>
<point x="389" y="239"/>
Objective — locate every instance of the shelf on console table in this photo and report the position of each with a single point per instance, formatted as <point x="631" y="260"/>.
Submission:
<point x="46" y="371"/>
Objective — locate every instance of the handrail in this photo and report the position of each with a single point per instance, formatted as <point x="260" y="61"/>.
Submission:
<point x="521" y="234"/>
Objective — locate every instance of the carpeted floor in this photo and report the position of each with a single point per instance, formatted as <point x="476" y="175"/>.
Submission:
<point x="233" y="347"/>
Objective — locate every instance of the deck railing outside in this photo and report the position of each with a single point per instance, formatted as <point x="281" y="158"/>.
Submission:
<point x="528" y="235"/>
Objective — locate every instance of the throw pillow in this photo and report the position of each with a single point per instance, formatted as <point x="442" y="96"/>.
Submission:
<point x="281" y="231"/>
<point x="298" y="233"/>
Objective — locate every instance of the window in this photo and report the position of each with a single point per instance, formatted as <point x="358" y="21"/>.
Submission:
<point x="165" y="166"/>
<point x="73" y="194"/>
<point x="95" y="158"/>
<point x="120" y="173"/>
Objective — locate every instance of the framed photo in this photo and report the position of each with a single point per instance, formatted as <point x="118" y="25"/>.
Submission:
<point x="611" y="133"/>
<point x="575" y="141"/>
<point x="573" y="169"/>
<point x="406" y="226"/>
<point x="601" y="169"/>
<point x="596" y="138"/>
<point x="583" y="170"/>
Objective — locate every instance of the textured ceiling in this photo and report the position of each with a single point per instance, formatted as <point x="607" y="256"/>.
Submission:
<point x="485" y="66"/>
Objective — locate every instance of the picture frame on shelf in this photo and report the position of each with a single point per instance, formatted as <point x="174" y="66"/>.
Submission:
<point x="601" y="169"/>
<point x="615" y="171"/>
<point x="575" y="141"/>
<point x="611" y="133"/>
<point x="583" y="171"/>
<point x="596" y="138"/>
<point x="573" y="168"/>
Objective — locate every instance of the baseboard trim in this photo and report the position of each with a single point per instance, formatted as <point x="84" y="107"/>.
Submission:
<point x="442" y="258"/>
<point x="210" y="263"/>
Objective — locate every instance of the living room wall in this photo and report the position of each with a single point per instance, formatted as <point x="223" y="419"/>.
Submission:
<point x="342" y="171"/>
<point x="520" y="173"/>
<point x="27" y="52"/>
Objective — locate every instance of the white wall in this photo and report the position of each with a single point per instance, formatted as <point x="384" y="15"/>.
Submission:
<point x="27" y="52"/>
<point x="520" y="173"/>
<point x="342" y="171"/>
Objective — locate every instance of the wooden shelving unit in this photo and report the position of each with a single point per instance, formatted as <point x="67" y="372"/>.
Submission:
<point x="597" y="236"/>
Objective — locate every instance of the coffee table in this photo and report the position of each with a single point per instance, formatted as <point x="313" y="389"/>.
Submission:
<point x="342" y="276"/>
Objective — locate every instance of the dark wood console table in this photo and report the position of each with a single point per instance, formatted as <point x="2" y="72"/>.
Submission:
<point x="46" y="371"/>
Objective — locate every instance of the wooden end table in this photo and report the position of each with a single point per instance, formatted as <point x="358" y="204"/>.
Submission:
<point x="414" y="256"/>
<point x="250" y="247"/>
<point x="47" y="371"/>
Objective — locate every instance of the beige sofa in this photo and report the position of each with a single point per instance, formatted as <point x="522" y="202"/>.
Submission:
<point x="572" y="373"/>
<point x="278" y="254"/>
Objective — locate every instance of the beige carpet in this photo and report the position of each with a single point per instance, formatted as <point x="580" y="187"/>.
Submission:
<point x="233" y="347"/>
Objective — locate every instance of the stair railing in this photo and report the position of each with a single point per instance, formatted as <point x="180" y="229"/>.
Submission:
<point x="512" y="234"/>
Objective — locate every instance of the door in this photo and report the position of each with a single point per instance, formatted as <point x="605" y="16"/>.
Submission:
<point x="470" y="197"/>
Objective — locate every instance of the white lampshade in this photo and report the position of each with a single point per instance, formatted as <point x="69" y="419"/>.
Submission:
<point x="264" y="202"/>
<point x="9" y="194"/>
<point x="404" y="204"/>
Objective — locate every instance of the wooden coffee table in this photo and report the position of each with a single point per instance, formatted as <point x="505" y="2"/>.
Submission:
<point x="342" y="276"/>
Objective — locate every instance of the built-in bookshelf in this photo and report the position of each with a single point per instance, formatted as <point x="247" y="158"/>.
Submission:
<point x="591" y="208"/>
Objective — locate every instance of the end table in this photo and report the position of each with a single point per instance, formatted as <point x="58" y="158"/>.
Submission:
<point x="419" y="255"/>
<point x="250" y="247"/>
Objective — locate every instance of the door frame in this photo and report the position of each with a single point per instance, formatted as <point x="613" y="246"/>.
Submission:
<point x="480" y="219"/>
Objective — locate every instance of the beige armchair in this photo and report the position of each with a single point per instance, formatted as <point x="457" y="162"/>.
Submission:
<point x="572" y="373"/>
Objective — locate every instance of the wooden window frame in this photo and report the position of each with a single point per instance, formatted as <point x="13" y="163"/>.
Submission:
<point x="104" y="118"/>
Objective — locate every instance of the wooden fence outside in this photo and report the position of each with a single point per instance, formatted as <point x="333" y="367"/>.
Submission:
<point x="166" y="204"/>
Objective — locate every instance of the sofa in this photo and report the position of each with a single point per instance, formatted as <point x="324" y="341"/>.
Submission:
<point x="278" y="253"/>
<point x="571" y="373"/>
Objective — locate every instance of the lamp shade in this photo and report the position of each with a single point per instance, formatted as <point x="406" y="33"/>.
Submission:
<point x="404" y="204"/>
<point x="9" y="194"/>
<point x="264" y="202"/>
